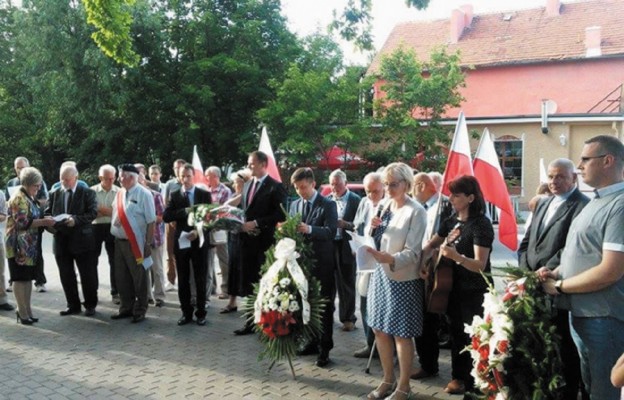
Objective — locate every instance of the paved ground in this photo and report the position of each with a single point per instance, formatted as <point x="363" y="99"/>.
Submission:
<point x="77" y="357"/>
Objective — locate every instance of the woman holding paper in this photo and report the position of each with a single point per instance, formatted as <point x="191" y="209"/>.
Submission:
<point x="395" y="294"/>
<point x="22" y="235"/>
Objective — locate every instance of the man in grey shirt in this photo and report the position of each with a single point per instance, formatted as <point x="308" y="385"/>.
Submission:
<point x="588" y="280"/>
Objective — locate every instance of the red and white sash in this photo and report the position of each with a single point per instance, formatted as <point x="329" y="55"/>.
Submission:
<point x="135" y="236"/>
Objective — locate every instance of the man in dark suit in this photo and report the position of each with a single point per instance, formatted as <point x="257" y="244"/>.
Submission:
<point x="543" y="242"/>
<point x="263" y="199"/>
<point x="177" y="211"/>
<point x="74" y="240"/>
<point x="438" y="210"/>
<point x="318" y="224"/>
<point x="347" y="204"/>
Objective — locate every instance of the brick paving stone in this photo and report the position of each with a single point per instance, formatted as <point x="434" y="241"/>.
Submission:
<point x="98" y="358"/>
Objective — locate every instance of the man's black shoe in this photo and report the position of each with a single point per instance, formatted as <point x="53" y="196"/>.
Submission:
<point x="245" y="330"/>
<point x="201" y="321"/>
<point x="185" y="320"/>
<point x="70" y="311"/>
<point x="322" y="360"/>
<point x="6" y="307"/>
<point x="138" y="318"/>
<point x="89" y="311"/>
<point x="120" y="316"/>
<point x="308" y="350"/>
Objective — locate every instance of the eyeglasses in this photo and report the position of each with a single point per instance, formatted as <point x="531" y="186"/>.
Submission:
<point x="392" y="185"/>
<point x="585" y="159"/>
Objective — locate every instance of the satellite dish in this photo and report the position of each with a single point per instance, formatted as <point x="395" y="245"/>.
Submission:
<point x="551" y="107"/>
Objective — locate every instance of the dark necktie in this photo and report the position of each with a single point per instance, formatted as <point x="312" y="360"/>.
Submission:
<point x="187" y="197"/>
<point x="70" y="195"/>
<point x="426" y="206"/>
<point x="306" y="210"/>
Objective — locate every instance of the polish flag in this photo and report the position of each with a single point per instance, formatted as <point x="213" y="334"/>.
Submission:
<point x="488" y="172"/>
<point x="459" y="162"/>
<point x="265" y="147"/>
<point x="198" y="177"/>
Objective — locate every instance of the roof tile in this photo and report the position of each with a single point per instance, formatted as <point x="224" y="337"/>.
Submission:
<point x="530" y="36"/>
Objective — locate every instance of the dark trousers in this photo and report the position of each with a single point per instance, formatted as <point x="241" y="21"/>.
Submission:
<point x="88" y="278"/>
<point x="328" y="290"/>
<point x="198" y="258"/>
<point x="132" y="280"/>
<point x="40" y="278"/>
<point x="102" y="235"/>
<point x="345" y="282"/>
<point x="570" y="360"/>
<point x="462" y="307"/>
<point x="427" y="345"/>
<point x="368" y="332"/>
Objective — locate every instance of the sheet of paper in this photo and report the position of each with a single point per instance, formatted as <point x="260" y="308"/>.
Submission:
<point x="12" y="189"/>
<point x="184" y="241"/>
<point x="148" y="262"/>
<point x="364" y="259"/>
<point x="61" y="217"/>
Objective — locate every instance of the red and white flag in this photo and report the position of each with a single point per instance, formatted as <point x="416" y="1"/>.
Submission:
<point x="459" y="162"/>
<point x="265" y="147"/>
<point x="488" y="172"/>
<point x="198" y="177"/>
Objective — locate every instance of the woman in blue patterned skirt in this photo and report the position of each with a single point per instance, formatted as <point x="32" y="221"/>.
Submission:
<point x="395" y="293"/>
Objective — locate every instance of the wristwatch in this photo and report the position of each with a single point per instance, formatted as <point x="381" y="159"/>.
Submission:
<point x="558" y="286"/>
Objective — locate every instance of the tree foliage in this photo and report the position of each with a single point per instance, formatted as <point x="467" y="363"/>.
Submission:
<point x="354" y="23"/>
<point x="316" y="104"/>
<point x="113" y="19"/>
<point x="204" y="71"/>
<point x="417" y="93"/>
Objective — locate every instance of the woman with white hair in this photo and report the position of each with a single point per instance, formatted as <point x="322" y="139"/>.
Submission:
<point x="22" y="235"/>
<point x="395" y="294"/>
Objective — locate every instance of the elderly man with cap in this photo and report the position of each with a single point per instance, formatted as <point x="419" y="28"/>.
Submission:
<point x="75" y="208"/>
<point x="132" y="225"/>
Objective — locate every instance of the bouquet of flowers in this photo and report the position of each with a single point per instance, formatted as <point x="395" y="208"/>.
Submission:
<point x="514" y="346"/>
<point x="279" y="303"/>
<point x="214" y="216"/>
<point x="286" y="305"/>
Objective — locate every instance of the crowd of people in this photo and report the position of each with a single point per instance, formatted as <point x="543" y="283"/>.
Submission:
<point x="574" y="244"/>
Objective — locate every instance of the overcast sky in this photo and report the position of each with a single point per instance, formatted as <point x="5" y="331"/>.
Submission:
<point x="305" y="16"/>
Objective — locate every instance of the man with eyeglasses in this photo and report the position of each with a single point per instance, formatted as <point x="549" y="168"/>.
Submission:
<point x="347" y="203"/>
<point x="588" y="280"/>
<point x="75" y="208"/>
<point x="541" y="247"/>
<point x="373" y="185"/>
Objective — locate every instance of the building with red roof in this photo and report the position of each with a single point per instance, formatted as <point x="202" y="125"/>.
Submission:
<point x="542" y="80"/>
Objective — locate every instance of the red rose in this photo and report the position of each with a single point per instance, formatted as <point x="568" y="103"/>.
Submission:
<point x="484" y="351"/>
<point x="502" y="346"/>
